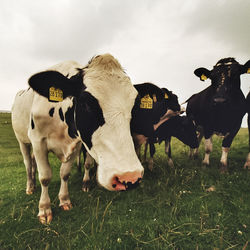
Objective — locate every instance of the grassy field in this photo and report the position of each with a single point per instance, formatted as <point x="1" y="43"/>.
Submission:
<point x="171" y="209"/>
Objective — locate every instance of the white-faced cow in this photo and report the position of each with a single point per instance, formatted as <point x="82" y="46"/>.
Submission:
<point x="247" y="163"/>
<point x="220" y="107"/>
<point x="68" y="105"/>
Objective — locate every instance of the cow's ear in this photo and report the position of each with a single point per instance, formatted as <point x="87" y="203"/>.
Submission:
<point x="245" y="68"/>
<point x="150" y="89"/>
<point x="54" y="85"/>
<point x="202" y="73"/>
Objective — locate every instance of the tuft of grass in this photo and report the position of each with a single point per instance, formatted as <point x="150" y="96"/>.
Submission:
<point x="171" y="209"/>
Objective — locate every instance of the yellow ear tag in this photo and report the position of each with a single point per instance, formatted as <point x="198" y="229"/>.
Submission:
<point x="248" y="71"/>
<point x="166" y="96"/>
<point x="154" y="98"/>
<point x="55" y="95"/>
<point x="203" y="77"/>
<point x="146" y="102"/>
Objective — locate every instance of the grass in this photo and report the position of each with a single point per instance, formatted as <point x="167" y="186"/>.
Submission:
<point x="171" y="209"/>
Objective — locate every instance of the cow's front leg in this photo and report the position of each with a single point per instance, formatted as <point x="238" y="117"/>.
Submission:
<point x="63" y="195"/>
<point x="223" y="159"/>
<point x="86" y="178"/>
<point x="208" y="150"/>
<point x="45" y="175"/>
<point x="195" y="152"/>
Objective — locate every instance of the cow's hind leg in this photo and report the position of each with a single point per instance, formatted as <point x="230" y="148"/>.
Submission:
<point x="30" y="166"/>
<point x="86" y="178"/>
<point x="247" y="163"/>
<point x="208" y="150"/>
<point x="151" y="158"/>
<point x="168" y="152"/>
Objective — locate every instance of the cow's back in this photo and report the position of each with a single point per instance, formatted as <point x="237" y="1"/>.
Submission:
<point x="20" y="114"/>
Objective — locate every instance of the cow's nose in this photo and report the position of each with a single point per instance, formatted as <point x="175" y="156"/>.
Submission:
<point x="126" y="181"/>
<point x="219" y="100"/>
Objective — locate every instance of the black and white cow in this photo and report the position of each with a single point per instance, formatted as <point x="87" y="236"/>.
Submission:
<point x="247" y="163"/>
<point x="68" y="105"/>
<point x="220" y="107"/>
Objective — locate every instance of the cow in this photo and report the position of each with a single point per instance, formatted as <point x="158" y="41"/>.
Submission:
<point x="181" y="127"/>
<point x="219" y="108"/>
<point x="69" y="105"/>
<point x="247" y="163"/>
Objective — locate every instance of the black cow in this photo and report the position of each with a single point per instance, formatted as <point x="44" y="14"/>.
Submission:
<point x="247" y="163"/>
<point x="220" y="107"/>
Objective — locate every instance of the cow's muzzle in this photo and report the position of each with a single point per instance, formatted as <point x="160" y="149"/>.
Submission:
<point x="126" y="181"/>
<point x="219" y="100"/>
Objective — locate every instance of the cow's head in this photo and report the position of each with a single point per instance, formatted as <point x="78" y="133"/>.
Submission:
<point x="181" y="127"/>
<point x="102" y="100"/>
<point x="171" y="100"/>
<point x="225" y="78"/>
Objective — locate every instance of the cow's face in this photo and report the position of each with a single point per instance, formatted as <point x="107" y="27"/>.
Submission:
<point x="100" y="116"/>
<point x="225" y="78"/>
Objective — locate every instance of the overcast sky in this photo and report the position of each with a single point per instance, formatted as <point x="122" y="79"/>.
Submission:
<point x="158" y="41"/>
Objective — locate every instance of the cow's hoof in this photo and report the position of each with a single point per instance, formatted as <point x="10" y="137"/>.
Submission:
<point x="86" y="186"/>
<point x="30" y="191"/>
<point x="170" y="163"/>
<point x="247" y="166"/>
<point x="223" y="169"/>
<point x="150" y="166"/>
<point x="204" y="165"/>
<point x="66" y="207"/>
<point x="45" y="219"/>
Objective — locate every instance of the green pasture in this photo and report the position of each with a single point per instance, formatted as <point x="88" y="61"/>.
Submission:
<point x="171" y="209"/>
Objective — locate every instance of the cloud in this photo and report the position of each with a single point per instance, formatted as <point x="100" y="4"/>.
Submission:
<point x="227" y="22"/>
<point x="161" y="41"/>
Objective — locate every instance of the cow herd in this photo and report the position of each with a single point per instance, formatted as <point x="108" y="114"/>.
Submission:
<point x="71" y="107"/>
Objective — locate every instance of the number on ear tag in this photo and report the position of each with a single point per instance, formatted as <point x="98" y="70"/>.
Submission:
<point x="146" y="102"/>
<point x="55" y="95"/>
<point x="203" y="77"/>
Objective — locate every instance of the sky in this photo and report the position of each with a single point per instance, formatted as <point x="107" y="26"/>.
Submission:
<point x="158" y="41"/>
